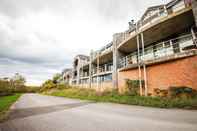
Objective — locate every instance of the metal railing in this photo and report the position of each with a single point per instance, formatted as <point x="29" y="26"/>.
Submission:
<point x="163" y="13"/>
<point x="84" y="75"/>
<point x="83" y="81"/>
<point x="103" y="69"/>
<point x="104" y="50"/>
<point x="163" y="49"/>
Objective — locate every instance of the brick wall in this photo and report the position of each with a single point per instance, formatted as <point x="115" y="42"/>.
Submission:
<point x="181" y="72"/>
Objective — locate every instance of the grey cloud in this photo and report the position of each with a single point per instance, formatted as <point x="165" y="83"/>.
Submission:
<point x="16" y="8"/>
<point x="110" y="9"/>
<point x="34" y="74"/>
<point x="38" y="61"/>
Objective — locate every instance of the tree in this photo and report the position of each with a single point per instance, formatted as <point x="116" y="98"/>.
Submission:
<point x="18" y="80"/>
<point x="56" y="77"/>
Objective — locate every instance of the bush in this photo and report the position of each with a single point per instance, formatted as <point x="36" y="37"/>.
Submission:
<point x="115" y="97"/>
<point x="132" y="86"/>
<point x="160" y="93"/>
<point x="62" y="86"/>
<point x="185" y="92"/>
<point x="7" y="88"/>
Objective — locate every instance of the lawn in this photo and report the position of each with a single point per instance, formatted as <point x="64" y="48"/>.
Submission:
<point x="114" y="97"/>
<point x="5" y="103"/>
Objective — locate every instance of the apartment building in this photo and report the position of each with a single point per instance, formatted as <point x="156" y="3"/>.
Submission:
<point x="65" y="76"/>
<point x="160" y="49"/>
<point x="80" y="73"/>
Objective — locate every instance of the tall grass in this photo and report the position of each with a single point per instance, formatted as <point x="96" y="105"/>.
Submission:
<point x="115" y="97"/>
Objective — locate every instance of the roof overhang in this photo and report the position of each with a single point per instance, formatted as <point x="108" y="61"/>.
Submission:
<point x="104" y="58"/>
<point x="169" y="25"/>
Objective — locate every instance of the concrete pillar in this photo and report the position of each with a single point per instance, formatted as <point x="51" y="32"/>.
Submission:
<point x="97" y="71"/>
<point x="115" y="62"/>
<point x="194" y="36"/>
<point x="139" y="65"/>
<point x="116" y="57"/>
<point x="194" y="9"/>
<point x="78" y="71"/>
<point x="90" y="70"/>
<point x="144" y="67"/>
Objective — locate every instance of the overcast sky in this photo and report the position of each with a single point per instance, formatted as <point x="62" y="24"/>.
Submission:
<point x="40" y="37"/>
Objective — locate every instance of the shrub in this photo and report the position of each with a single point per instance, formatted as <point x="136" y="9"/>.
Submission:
<point x="185" y="92"/>
<point x="5" y="88"/>
<point x="62" y="86"/>
<point x="132" y="86"/>
<point x="160" y="92"/>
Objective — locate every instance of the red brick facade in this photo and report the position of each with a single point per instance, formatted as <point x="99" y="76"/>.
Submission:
<point x="181" y="72"/>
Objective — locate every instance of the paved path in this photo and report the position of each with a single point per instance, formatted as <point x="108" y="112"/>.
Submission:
<point x="35" y="112"/>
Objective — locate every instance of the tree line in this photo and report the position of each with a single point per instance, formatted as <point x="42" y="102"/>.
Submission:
<point x="14" y="84"/>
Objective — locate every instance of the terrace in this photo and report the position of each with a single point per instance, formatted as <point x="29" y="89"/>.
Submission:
<point x="104" y="55"/>
<point x="179" y="15"/>
<point x="103" y="69"/>
<point x="159" y="50"/>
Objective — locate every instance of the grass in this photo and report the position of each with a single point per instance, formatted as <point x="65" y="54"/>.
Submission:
<point x="114" y="97"/>
<point x="5" y="103"/>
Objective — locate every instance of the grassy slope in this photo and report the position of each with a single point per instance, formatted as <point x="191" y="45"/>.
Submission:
<point x="5" y="103"/>
<point x="126" y="99"/>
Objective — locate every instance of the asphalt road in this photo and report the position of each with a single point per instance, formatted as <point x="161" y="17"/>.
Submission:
<point x="35" y="112"/>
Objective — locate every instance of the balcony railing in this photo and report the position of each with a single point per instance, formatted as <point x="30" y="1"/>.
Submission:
<point x="84" y="81"/>
<point x="84" y="75"/>
<point x="160" y="50"/>
<point x="103" y="69"/>
<point x="102" y="51"/>
<point x="163" y="13"/>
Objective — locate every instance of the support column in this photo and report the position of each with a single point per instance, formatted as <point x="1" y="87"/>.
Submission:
<point x="116" y="57"/>
<point x="105" y="67"/>
<point x="139" y="59"/>
<point x="78" y="72"/>
<point x="97" y="71"/>
<point x="144" y="67"/>
<point x="115" y="62"/>
<point x="194" y="9"/>
<point x="139" y="65"/>
<point x="194" y="36"/>
<point x="90" y="70"/>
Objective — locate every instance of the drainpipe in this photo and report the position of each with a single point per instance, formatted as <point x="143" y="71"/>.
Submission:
<point x="138" y="62"/>
<point x="144" y="66"/>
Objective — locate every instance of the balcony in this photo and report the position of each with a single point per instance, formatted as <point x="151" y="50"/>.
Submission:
<point x="104" y="69"/>
<point x="84" y="81"/>
<point x="105" y="50"/>
<point x="164" y="21"/>
<point x="85" y="75"/>
<point x="159" y="50"/>
<point x="163" y="13"/>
